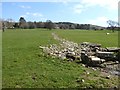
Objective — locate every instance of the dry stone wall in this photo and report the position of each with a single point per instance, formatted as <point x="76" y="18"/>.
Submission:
<point x="89" y="53"/>
<point x="64" y="50"/>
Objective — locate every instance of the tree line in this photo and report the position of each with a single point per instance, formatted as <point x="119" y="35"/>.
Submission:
<point x="23" y="24"/>
<point x="10" y="24"/>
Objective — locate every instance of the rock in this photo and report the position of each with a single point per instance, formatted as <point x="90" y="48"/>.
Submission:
<point x="63" y="56"/>
<point x="107" y="33"/>
<point x="73" y="53"/>
<point x="94" y="69"/>
<point x="83" y="65"/>
<point x="117" y="62"/>
<point x="17" y="86"/>
<point x="83" y="80"/>
<point x="90" y="54"/>
<point x="70" y="56"/>
<point x="108" y="77"/>
<point x="87" y="73"/>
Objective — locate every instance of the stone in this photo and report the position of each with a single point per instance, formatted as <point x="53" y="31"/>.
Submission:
<point x="90" y="54"/>
<point x="105" y="55"/>
<point x="94" y="69"/>
<point x="17" y="86"/>
<point x="108" y="77"/>
<point x="83" y="80"/>
<point x="107" y="33"/>
<point x="87" y="73"/>
<point x="83" y="65"/>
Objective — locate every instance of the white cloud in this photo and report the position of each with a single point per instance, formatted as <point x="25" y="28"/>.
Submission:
<point x="27" y="13"/>
<point x="102" y="21"/>
<point x="23" y="16"/>
<point x="37" y="14"/>
<point x="108" y="4"/>
<point x="78" y="8"/>
<point x="86" y="4"/>
<point x="25" y="7"/>
<point x="40" y="1"/>
<point x="33" y="14"/>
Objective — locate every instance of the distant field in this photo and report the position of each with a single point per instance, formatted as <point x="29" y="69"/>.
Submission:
<point x="24" y="66"/>
<point x="100" y="37"/>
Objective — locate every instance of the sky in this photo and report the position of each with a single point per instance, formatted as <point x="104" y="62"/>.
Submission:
<point x="95" y="12"/>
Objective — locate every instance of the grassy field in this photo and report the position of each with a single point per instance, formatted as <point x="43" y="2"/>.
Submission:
<point x="100" y="37"/>
<point x="24" y="66"/>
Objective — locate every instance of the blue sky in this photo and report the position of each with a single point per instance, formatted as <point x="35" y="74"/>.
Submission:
<point x="95" y="12"/>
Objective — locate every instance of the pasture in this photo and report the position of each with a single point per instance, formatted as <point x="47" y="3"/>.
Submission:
<point x="24" y="66"/>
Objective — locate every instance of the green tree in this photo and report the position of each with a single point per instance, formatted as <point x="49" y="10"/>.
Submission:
<point x="22" y="23"/>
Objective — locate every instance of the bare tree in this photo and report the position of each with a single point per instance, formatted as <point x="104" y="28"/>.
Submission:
<point x="49" y="24"/>
<point x="16" y="25"/>
<point x="2" y="25"/>
<point x="9" y="23"/>
<point x="72" y="26"/>
<point x="31" y="25"/>
<point x="112" y="24"/>
<point x="40" y="24"/>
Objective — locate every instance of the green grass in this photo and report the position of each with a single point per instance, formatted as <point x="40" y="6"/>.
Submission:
<point x="24" y="66"/>
<point x="80" y="36"/>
